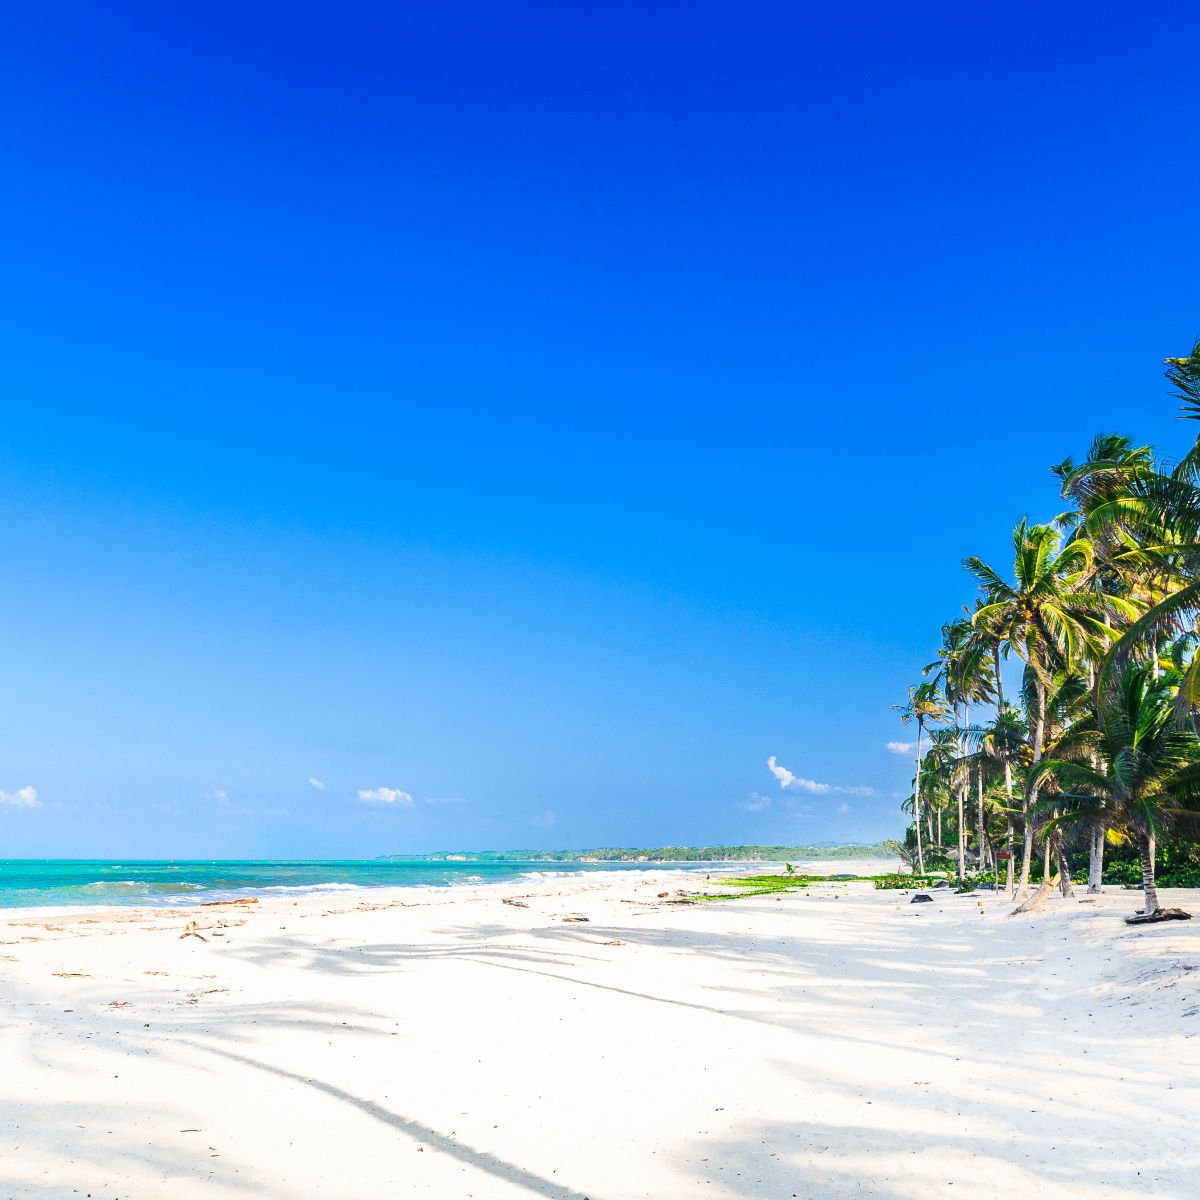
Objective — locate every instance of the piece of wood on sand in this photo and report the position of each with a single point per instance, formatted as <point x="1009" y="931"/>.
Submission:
<point x="1159" y="914"/>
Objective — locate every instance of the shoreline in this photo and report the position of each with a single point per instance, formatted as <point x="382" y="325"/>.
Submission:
<point x="198" y="899"/>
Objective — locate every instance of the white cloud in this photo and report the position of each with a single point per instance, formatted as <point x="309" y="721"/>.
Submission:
<point x="385" y="795"/>
<point x="25" y="797"/>
<point x="843" y="808"/>
<point x="314" y="782"/>
<point x="785" y="777"/>
<point x="902" y="747"/>
<point x="219" y="796"/>
<point x="795" y="783"/>
<point x="544" y="820"/>
<point x="756" y="803"/>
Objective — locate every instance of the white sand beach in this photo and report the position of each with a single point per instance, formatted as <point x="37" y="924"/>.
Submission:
<point x="444" y="1043"/>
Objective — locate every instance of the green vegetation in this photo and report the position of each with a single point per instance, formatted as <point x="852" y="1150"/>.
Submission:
<point x="896" y="882"/>
<point x="743" y="886"/>
<point x="1177" y="864"/>
<point x="1098" y="753"/>
<point x="657" y="854"/>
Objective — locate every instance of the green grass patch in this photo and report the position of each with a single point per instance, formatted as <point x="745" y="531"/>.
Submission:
<point x="905" y="883"/>
<point x="759" y="885"/>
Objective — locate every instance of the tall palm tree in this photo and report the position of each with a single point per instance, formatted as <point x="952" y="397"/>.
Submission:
<point x="1162" y="542"/>
<point x="1149" y="779"/>
<point x="1050" y="617"/>
<point x="1165" y="547"/>
<point x="1109" y="478"/>
<point x="1006" y="741"/>
<point x="963" y="668"/>
<point x="1068" y="704"/>
<point x="1110" y="491"/>
<point x="941" y="773"/>
<point x="926" y="707"/>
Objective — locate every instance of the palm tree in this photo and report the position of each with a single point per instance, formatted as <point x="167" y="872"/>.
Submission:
<point x="963" y="668"/>
<point x="1109" y="490"/>
<point x="1109" y="479"/>
<point x="1068" y="704"/>
<point x="1049" y="617"/>
<point x="1150" y="778"/>
<point x="926" y="707"/>
<point x="1164" y="547"/>
<point x="1162" y="542"/>
<point x="1006" y="741"/>
<point x="941" y="774"/>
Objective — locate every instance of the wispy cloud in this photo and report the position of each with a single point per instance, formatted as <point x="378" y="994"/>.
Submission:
<point x="842" y="808"/>
<point x="755" y="803"/>
<point x="791" y="782"/>
<point x="314" y="782"/>
<point x="385" y="795"/>
<point x="543" y="820"/>
<point x="221" y="798"/>
<point x="25" y="797"/>
<point x="902" y="747"/>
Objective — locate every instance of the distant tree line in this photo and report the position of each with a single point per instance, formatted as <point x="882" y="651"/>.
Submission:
<point x="748" y="853"/>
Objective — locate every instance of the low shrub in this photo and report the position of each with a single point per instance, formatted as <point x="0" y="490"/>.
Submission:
<point x="897" y="882"/>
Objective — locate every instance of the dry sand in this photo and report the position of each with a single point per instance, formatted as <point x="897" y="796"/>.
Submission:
<point x="424" y="1042"/>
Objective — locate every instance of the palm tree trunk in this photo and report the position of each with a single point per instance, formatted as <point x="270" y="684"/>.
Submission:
<point x="1096" y="847"/>
<point x="1031" y="790"/>
<point x="1096" y="862"/>
<point x="1146" y="852"/>
<point x="962" y="839"/>
<point x="1008" y="866"/>
<point x="962" y="794"/>
<point x="1064" y="869"/>
<point x="982" y="827"/>
<point x="1026" y="851"/>
<point x="939" y="826"/>
<point x="1008" y="803"/>
<point x="917" y="805"/>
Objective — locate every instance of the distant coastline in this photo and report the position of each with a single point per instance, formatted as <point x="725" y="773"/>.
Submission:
<point x="651" y="855"/>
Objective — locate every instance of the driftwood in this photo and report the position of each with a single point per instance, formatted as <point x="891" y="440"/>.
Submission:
<point x="576" y="918"/>
<point x="1159" y="914"/>
<point x="515" y="903"/>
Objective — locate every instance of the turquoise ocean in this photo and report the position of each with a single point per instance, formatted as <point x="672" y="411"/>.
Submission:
<point x="41" y="883"/>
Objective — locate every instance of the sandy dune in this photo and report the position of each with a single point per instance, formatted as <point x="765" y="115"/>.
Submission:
<point x="839" y="1042"/>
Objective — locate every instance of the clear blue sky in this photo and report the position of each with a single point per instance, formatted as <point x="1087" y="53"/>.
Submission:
<point x="548" y="413"/>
